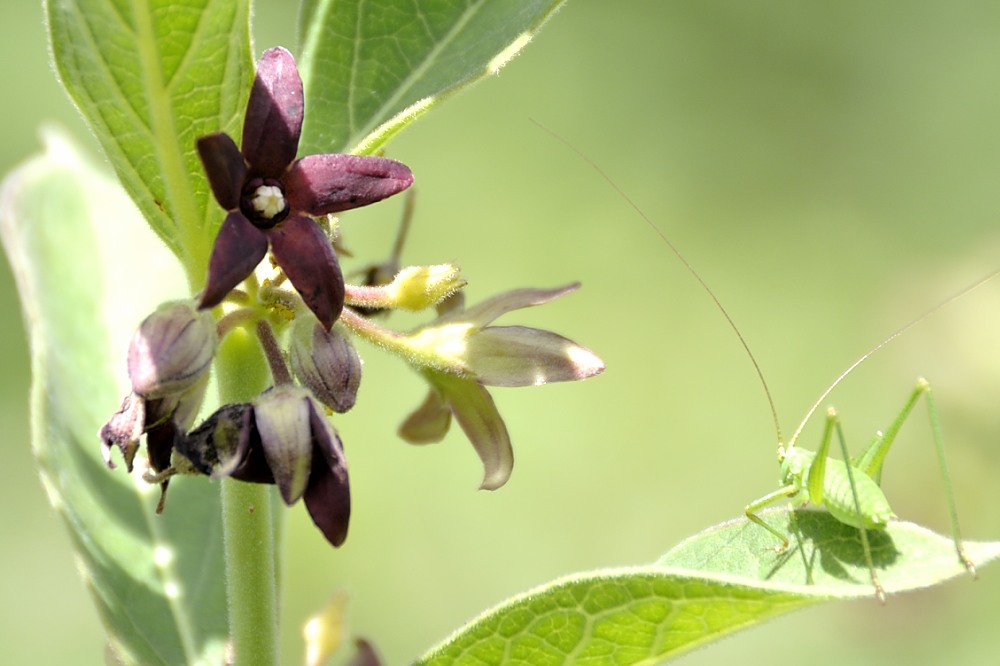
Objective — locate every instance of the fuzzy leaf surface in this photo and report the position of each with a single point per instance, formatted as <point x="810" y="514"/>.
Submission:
<point x="722" y="580"/>
<point x="371" y="66"/>
<point x="157" y="580"/>
<point x="149" y="79"/>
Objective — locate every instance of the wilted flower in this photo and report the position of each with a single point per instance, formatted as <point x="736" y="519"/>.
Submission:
<point x="270" y="195"/>
<point x="169" y="359"/>
<point x="459" y="354"/>
<point x="281" y="438"/>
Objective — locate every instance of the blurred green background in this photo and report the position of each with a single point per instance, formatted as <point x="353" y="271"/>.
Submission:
<point x="830" y="168"/>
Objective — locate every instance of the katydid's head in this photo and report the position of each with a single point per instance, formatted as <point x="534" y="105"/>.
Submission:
<point x="794" y="463"/>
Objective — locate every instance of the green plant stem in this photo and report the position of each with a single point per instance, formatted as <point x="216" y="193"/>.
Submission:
<point x="248" y="522"/>
<point x="251" y="581"/>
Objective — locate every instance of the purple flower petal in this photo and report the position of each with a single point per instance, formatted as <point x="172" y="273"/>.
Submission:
<point x="366" y="655"/>
<point x="274" y="115"/>
<point x="238" y="249"/>
<point x="324" y="184"/>
<point x="252" y="465"/>
<point x="305" y="254"/>
<point x="328" y="495"/>
<point x="160" y="442"/>
<point x="224" y="167"/>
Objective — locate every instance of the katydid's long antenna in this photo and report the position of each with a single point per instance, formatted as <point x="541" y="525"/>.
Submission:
<point x="687" y="265"/>
<point x="895" y="334"/>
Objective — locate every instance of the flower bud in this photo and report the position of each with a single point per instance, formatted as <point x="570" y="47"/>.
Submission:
<point x="419" y="287"/>
<point x="326" y="363"/>
<point x="172" y="351"/>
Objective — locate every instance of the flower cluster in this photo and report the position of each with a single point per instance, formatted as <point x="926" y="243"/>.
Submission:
<point x="284" y="435"/>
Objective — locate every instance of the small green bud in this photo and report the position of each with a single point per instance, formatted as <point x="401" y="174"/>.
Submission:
<point x="419" y="287"/>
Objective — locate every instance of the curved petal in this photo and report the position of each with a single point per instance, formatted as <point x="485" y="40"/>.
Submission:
<point x="224" y="167"/>
<point x="429" y="422"/>
<point x="304" y="252"/>
<point x="274" y="115"/>
<point x="324" y="184"/>
<point x="523" y="356"/>
<point x="476" y="412"/>
<point x="238" y="249"/>
<point x="283" y="422"/>
<point x="328" y="495"/>
<point x="160" y="443"/>
<point x="482" y="314"/>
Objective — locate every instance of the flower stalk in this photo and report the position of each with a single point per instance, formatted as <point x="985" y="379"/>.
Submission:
<point x="251" y="572"/>
<point x="249" y="525"/>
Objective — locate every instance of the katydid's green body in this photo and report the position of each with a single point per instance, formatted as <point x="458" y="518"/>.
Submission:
<point x="848" y="488"/>
<point x="872" y="510"/>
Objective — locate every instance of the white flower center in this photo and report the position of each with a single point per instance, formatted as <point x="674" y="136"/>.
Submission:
<point x="268" y="201"/>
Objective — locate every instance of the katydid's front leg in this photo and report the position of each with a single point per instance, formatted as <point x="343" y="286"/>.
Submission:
<point x="783" y="493"/>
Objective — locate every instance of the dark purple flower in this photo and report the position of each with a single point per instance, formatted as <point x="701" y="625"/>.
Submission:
<point x="271" y="197"/>
<point x="282" y="438"/>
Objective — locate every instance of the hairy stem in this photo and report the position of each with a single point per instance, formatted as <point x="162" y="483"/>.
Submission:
<point x="251" y="581"/>
<point x="249" y="526"/>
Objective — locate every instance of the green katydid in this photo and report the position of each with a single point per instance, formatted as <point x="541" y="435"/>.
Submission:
<point x="850" y="491"/>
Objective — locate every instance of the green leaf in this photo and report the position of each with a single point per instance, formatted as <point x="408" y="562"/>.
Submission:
<point x="150" y="78"/>
<point x="157" y="580"/>
<point x="722" y="580"/>
<point x="371" y="67"/>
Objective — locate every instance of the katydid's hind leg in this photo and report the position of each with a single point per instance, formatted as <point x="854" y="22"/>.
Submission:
<point x="873" y="457"/>
<point x="750" y="510"/>
<point x="925" y="388"/>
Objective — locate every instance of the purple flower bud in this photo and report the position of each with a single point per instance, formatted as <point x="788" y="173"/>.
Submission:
<point x="169" y="359"/>
<point x="172" y="351"/>
<point x="326" y="363"/>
